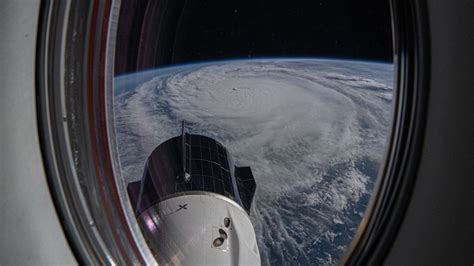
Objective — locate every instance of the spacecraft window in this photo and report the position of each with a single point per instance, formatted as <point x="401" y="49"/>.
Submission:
<point x="279" y="112"/>
<point x="302" y="94"/>
<point x="227" y="222"/>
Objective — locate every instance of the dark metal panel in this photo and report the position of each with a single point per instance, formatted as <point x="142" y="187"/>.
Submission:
<point x="246" y="184"/>
<point x="206" y="168"/>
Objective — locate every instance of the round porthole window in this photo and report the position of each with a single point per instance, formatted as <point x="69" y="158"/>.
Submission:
<point x="158" y="116"/>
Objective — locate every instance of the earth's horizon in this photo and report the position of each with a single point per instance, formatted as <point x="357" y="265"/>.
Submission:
<point x="312" y="130"/>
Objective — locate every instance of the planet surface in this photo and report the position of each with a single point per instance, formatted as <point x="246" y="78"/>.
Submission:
<point x="312" y="130"/>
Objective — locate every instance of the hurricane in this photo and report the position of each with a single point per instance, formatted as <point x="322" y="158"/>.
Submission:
<point x="312" y="130"/>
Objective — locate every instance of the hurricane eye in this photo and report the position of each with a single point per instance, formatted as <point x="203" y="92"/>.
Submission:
<point x="269" y="115"/>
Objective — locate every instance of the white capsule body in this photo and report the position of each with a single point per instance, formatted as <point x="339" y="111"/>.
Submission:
<point x="200" y="228"/>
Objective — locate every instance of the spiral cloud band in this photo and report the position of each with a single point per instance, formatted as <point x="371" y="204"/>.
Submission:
<point x="312" y="130"/>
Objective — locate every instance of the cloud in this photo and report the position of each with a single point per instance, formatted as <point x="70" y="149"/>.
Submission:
<point x="358" y="81"/>
<point x="311" y="131"/>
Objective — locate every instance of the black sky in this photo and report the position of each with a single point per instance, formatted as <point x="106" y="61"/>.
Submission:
<point x="157" y="33"/>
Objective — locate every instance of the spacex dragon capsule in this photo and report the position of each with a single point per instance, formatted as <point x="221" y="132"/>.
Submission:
<point x="193" y="204"/>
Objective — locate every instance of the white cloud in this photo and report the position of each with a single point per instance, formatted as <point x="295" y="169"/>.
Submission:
<point x="302" y="126"/>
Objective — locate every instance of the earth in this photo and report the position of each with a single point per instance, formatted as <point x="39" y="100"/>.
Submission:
<point x="312" y="130"/>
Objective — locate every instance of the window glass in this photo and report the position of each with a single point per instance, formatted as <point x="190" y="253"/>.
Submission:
<point x="302" y="94"/>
